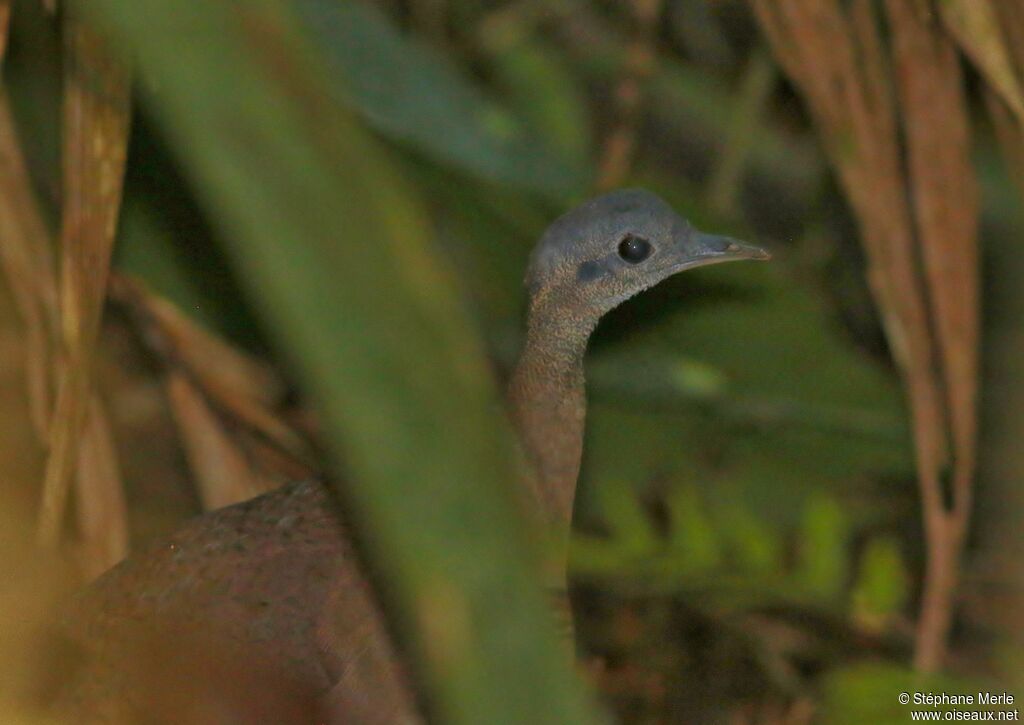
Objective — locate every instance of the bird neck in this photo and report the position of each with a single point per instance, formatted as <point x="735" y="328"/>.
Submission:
<point x="548" y="402"/>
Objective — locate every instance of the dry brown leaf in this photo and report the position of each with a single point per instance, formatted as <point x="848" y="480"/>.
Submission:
<point x="35" y="583"/>
<point x="975" y="25"/>
<point x="850" y="105"/>
<point x="100" y="509"/>
<point x="1010" y="17"/>
<point x="237" y="384"/>
<point x="5" y="26"/>
<point x="260" y="419"/>
<point x="835" y="55"/>
<point x="946" y="213"/>
<point x="1010" y="128"/>
<point x="945" y="205"/>
<point x="27" y="263"/>
<point x="223" y="471"/>
<point x="236" y="445"/>
<point x="177" y="336"/>
<point x="619" y="146"/>
<point x="95" y="136"/>
<point x="270" y="459"/>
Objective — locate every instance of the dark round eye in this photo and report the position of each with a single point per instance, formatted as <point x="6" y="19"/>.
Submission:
<point x="634" y="249"/>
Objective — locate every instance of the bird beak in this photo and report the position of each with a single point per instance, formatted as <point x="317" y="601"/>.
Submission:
<point x="700" y="250"/>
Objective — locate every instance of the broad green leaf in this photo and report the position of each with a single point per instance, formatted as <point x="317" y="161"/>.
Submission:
<point x="333" y="250"/>
<point x="794" y="408"/>
<point x="780" y="444"/>
<point x="544" y="93"/>
<point x="413" y="94"/>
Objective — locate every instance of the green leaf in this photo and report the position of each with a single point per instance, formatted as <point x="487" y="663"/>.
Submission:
<point x="631" y="529"/>
<point x="881" y="588"/>
<point x="823" y="543"/>
<point x="792" y="407"/>
<point x="192" y="275"/>
<point x="413" y="94"/>
<point x="333" y="250"/>
<point x="756" y="547"/>
<point x="147" y="249"/>
<point x="542" y="91"/>
<point x="693" y="534"/>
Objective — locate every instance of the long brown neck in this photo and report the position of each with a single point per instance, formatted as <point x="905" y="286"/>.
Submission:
<point x="548" y="402"/>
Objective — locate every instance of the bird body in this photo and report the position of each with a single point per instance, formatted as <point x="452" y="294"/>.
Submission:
<point x="275" y="583"/>
<point x="271" y="584"/>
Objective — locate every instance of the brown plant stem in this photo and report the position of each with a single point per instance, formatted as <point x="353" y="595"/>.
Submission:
<point x="101" y="513"/>
<point x="236" y="389"/>
<point x="620" y="144"/>
<point x="759" y="79"/>
<point x="921" y="256"/>
<point x="5" y="26"/>
<point x="96" y="119"/>
<point x="223" y="471"/>
<point x="946" y="212"/>
<point x="27" y="262"/>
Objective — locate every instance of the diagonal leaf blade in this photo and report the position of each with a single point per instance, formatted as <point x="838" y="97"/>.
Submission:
<point x="335" y="254"/>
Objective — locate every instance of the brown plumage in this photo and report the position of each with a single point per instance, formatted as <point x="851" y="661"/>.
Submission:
<point x="260" y="609"/>
<point x="271" y="587"/>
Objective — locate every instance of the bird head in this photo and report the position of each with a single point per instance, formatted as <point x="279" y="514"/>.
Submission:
<point x="616" y="245"/>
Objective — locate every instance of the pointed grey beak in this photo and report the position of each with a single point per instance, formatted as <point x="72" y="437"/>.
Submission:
<point x="723" y="248"/>
<point x="698" y="249"/>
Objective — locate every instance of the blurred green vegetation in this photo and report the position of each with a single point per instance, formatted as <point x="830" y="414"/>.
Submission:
<point x="747" y="453"/>
<point x="375" y="332"/>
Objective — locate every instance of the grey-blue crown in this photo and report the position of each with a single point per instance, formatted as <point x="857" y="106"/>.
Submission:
<point x="597" y="221"/>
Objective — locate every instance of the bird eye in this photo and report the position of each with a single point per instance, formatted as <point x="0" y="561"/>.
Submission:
<point x="634" y="249"/>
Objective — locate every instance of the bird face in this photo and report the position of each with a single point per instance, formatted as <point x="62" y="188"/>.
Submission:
<point x="610" y="248"/>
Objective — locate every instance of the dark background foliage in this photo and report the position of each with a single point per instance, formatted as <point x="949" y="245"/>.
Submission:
<point x="749" y="544"/>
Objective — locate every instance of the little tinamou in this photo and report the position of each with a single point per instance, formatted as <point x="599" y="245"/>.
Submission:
<point x="271" y="587"/>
